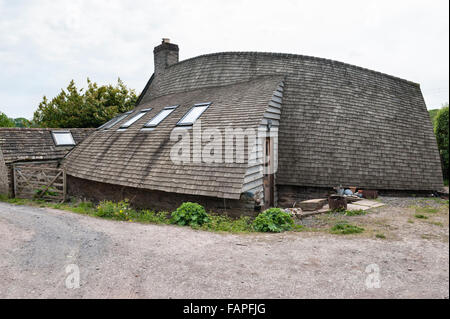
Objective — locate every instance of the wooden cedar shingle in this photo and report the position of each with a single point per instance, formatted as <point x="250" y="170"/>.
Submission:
<point x="141" y="159"/>
<point x="340" y="124"/>
<point x="26" y="144"/>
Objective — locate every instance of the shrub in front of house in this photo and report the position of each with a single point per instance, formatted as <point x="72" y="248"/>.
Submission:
<point x="119" y="211"/>
<point x="190" y="214"/>
<point x="273" y="220"/>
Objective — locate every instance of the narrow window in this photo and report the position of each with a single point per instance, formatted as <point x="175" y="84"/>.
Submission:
<point x="114" y="121"/>
<point x="63" y="138"/>
<point x="154" y="122"/>
<point x="190" y="117"/>
<point x="135" y="118"/>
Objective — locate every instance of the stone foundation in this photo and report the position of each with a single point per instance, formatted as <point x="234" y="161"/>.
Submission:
<point x="156" y="200"/>
<point x="288" y="195"/>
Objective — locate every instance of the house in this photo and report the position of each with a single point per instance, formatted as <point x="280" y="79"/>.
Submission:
<point x="318" y="124"/>
<point x="39" y="147"/>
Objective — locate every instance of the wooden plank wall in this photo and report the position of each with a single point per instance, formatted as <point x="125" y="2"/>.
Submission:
<point x="253" y="180"/>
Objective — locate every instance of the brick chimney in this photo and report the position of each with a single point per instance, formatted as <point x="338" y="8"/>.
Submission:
<point x="165" y="54"/>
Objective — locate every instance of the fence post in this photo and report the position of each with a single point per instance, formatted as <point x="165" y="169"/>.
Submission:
<point x="64" y="185"/>
<point x="14" y="181"/>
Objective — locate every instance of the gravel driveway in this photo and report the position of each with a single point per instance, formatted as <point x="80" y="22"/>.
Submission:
<point x="129" y="260"/>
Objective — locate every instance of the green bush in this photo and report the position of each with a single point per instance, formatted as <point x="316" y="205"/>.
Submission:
<point x="120" y="210"/>
<point x="344" y="228"/>
<point x="191" y="214"/>
<point x="441" y="130"/>
<point x="273" y="220"/>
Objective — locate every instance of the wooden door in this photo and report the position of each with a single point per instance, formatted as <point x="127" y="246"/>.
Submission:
<point x="269" y="180"/>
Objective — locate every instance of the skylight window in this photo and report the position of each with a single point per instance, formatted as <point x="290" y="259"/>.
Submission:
<point x="190" y="117"/>
<point x="135" y="118"/>
<point x="63" y="138"/>
<point x="160" y="116"/>
<point x="114" y="121"/>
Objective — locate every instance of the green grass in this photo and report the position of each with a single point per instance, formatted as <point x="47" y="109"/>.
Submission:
<point x="344" y="228"/>
<point x="380" y="236"/>
<point x="426" y="210"/>
<point x="358" y="212"/>
<point x="437" y="224"/>
<point x="420" y="216"/>
<point x="217" y="223"/>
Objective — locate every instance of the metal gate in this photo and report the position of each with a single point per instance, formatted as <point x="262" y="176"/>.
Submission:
<point x="37" y="182"/>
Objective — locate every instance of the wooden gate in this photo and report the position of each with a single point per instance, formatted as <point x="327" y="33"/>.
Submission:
<point x="37" y="182"/>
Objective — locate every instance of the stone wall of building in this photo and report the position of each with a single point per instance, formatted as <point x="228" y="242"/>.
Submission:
<point x="156" y="200"/>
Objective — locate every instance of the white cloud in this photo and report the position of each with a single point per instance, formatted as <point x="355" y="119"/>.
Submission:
<point x="44" y="44"/>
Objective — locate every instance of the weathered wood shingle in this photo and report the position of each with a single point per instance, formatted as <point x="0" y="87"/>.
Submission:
<point x="141" y="159"/>
<point x="28" y="144"/>
<point x="340" y="124"/>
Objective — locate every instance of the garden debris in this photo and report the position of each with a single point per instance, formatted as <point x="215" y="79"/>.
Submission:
<point x="313" y="204"/>
<point x="336" y="202"/>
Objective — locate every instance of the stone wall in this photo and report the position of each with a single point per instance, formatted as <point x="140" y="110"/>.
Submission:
<point x="155" y="200"/>
<point x="288" y="195"/>
<point x="3" y="176"/>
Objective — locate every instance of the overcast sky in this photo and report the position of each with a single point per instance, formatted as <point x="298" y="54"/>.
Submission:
<point x="46" y="43"/>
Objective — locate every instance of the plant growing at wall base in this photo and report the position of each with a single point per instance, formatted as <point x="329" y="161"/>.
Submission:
<point x="44" y="191"/>
<point x="191" y="214"/>
<point x="273" y="220"/>
<point x="119" y="211"/>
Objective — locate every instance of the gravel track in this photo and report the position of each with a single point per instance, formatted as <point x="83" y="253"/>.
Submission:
<point x="130" y="260"/>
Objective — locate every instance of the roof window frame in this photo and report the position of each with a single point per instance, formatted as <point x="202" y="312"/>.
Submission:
<point x="53" y="133"/>
<point x="172" y="108"/>
<point x="112" y="122"/>
<point x="136" y="118"/>
<point x="180" y="122"/>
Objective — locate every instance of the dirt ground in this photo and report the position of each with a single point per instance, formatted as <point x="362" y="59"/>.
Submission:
<point x="407" y="254"/>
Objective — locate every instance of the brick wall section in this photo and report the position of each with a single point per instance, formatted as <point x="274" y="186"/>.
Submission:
<point x="340" y="124"/>
<point x="155" y="200"/>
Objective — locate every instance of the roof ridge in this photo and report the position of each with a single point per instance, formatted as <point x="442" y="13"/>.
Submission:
<point x="280" y="75"/>
<point x="291" y="55"/>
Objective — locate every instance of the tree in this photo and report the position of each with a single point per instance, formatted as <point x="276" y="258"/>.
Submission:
<point x="433" y="113"/>
<point x="85" y="108"/>
<point x="441" y="130"/>
<point x="22" y="122"/>
<point x="5" y="121"/>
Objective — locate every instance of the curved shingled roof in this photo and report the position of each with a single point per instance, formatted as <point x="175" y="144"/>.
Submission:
<point x="340" y="124"/>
